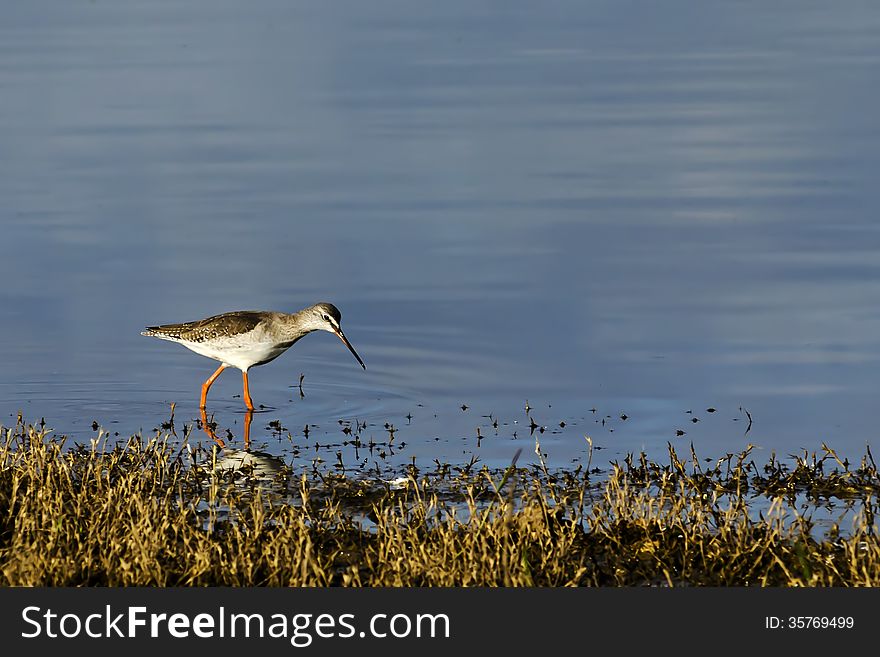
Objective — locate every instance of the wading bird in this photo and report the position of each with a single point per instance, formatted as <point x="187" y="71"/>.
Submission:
<point x="247" y="338"/>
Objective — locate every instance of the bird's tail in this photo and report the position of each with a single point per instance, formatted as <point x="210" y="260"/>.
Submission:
<point x="161" y="332"/>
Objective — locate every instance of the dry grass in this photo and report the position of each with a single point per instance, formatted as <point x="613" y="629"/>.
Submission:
<point x="159" y="512"/>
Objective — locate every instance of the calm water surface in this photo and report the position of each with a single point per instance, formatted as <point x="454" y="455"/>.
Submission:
<point x="605" y="208"/>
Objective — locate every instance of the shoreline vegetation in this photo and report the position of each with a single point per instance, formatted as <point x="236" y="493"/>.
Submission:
<point x="160" y="511"/>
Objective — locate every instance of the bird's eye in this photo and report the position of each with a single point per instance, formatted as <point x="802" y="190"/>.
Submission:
<point x="327" y="318"/>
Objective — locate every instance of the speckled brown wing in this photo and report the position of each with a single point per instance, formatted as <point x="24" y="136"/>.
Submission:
<point x="210" y="328"/>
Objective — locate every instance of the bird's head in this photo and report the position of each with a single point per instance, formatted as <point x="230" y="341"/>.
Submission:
<point x="326" y="317"/>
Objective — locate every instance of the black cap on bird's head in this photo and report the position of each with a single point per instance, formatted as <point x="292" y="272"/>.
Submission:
<point x="327" y="317"/>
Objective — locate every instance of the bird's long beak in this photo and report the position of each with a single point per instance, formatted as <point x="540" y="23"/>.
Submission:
<point x="350" y="348"/>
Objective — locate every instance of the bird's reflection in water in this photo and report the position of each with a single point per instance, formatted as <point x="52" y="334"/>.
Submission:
<point x="250" y="468"/>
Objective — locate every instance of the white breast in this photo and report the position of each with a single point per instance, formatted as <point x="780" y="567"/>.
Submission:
<point x="241" y="351"/>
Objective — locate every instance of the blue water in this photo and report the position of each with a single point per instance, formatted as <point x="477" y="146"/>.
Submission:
<point x="639" y="208"/>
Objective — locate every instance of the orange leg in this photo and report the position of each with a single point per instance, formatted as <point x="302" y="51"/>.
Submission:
<point x="247" y="394"/>
<point x="207" y="385"/>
